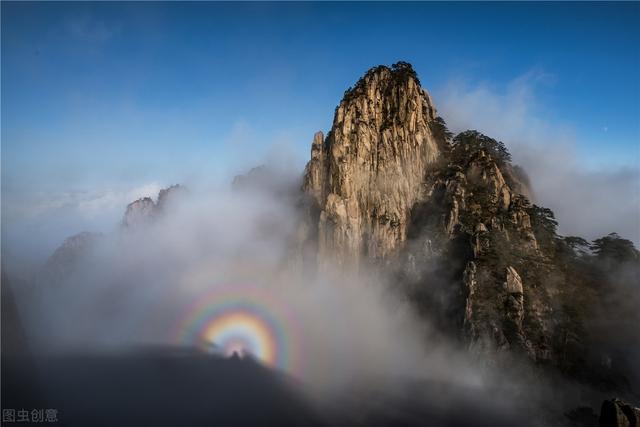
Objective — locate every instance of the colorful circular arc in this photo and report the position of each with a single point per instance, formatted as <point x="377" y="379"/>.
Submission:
<point x="241" y="319"/>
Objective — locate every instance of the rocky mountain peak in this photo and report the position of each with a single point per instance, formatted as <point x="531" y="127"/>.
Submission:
<point x="367" y="173"/>
<point x="145" y="209"/>
<point x="138" y="212"/>
<point x="390" y="186"/>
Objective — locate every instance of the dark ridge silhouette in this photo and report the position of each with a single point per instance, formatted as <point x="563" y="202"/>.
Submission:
<point x="165" y="387"/>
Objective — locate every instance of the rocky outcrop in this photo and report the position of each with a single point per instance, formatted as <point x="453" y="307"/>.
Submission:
<point x="470" y="284"/>
<point x="367" y="174"/>
<point x="616" y="413"/>
<point x="145" y="210"/>
<point x="474" y="185"/>
<point x="514" y="306"/>
<point x="473" y="215"/>
<point x="139" y="212"/>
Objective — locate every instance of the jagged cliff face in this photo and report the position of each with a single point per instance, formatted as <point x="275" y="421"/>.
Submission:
<point x="366" y="175"/>
<point x="493" y="218"/>
<point x="473" y="232"/>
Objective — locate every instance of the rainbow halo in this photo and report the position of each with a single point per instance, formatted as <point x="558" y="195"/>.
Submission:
<point x="242" y="320"/>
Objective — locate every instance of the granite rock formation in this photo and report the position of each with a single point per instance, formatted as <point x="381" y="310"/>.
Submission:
<point x="388" y="171"/>
<point x="144" y="210"/>
<point x="390" y="187"/>
<point x="366" y="175"/>
<point x="617" y="413"/>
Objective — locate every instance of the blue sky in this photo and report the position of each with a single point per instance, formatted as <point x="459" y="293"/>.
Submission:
<point x="97" y="96"/>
